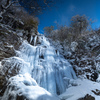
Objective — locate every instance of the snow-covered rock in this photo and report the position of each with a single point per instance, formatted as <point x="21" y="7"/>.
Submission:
<point x="23" y="87"/>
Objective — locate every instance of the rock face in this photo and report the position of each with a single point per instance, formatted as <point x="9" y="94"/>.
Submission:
<point x="37" y="66"/>
<point x="9" y="41"/>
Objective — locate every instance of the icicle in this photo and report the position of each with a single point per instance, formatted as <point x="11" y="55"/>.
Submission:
<point x="57" y="53"/>
<point x="35" y="39"/>
<point x="31" y="39"/>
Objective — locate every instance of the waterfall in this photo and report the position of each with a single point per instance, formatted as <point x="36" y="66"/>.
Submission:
<point x="43" y="68"/>
<point x="46" y="67"/>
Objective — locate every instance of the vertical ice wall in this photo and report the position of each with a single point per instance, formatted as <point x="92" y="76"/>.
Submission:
<point x="45" y="65"/>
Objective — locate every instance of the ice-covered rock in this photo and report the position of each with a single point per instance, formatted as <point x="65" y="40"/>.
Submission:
<point x="23" y="87"/>
<point x="45" y="67"/>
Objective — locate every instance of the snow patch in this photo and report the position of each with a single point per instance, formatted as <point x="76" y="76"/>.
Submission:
<point x="84" y="87"/>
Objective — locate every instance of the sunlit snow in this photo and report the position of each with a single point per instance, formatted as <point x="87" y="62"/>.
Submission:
<point x="84" y="87"/>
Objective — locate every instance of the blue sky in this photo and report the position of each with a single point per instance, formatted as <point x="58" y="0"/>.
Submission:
<point x="63" y="10"/>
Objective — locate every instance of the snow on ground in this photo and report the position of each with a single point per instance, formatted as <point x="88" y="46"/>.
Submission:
<point x="84" y="87"/>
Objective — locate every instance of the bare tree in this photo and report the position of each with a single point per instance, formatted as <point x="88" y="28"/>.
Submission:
<point x="32" y="6"/>
<point x="5" y="6"/>
<point x="48" y="30"/>
<point x="79" y="23"/>
<point x="35" y="6"/>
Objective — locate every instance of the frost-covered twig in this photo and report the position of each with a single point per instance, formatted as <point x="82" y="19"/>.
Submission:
<point x="6" y="7"/>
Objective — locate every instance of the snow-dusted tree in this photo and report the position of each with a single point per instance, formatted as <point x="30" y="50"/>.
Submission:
<point x="13" y="16"/>
<point x="12" y="12"/>
<point x="5" y="7"/>
<point x="79" y="23"/>
<point x="33" y="6"/>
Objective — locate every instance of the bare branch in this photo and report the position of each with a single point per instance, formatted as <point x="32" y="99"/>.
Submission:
<point x="7" y="6"/>
<point x="10" y="4"/>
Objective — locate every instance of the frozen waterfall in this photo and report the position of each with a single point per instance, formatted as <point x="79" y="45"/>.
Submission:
<point x="46" y="66"/>
<point x="41" y="66"/>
